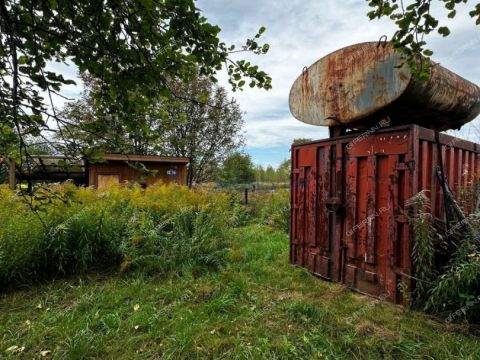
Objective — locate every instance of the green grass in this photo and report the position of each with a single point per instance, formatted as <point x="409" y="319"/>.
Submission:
<point x="256" y="307"/>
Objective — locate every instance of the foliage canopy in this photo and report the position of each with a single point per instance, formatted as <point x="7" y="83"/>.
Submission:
<point x="132" y="46"/>
<point x="415" y="20"/>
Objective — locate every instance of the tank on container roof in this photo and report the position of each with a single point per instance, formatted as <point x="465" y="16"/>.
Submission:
<point x="363" y="83"/>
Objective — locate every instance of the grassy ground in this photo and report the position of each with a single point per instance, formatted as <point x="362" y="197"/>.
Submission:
<point x="259" y="307"/>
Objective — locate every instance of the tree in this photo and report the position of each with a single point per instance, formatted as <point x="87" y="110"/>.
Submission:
<point x="415" y="20"/>
<point x="283" y="170"/>
<point x="259" y="173"/>
<point x="237" y="168"/>
<point x="270" y="174"/>
<point x="205" y="134"/>
<point x="131" y="47"/>
<point x="91" y="130"/>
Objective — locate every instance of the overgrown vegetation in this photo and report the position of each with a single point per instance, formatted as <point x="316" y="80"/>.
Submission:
<point x="272" y="209"/>
<point x="257" y="306"/>
<point x="163" y="229"/>
<point x="456" y="293"/>
<point x="423" y="248"/>
<point x="181" y="273"/>
<point x="447" y="272"/>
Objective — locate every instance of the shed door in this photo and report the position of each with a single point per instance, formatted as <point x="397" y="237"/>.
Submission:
<point x="104" y="181"/>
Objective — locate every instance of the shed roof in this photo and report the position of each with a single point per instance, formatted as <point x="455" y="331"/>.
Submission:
<point x="145" y="158"/>
<point x="52" y="167"/>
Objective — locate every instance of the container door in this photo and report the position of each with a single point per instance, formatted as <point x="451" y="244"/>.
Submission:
<point x="374" y="186"/>
<point x="326" y="216"/>
<point x="303" y="208"/>
<point x="311" y="223"/>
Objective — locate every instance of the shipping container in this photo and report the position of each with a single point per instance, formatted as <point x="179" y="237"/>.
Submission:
<point x="349" y="219"/>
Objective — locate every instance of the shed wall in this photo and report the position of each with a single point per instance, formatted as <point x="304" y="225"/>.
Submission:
<point x="128" y="174"/>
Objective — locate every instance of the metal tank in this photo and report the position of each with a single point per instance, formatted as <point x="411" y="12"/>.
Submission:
<point x="358" y="85"/>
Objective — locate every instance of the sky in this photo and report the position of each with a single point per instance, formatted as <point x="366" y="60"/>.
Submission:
<point x="299" y="33"/>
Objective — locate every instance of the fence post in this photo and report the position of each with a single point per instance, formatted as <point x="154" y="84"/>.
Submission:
<point x="11" y="174"/>
<point x="246" y="196"/>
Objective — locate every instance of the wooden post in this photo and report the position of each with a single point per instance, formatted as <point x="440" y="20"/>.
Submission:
<point x="246" y="196"/>
<point x="11" y="174"/>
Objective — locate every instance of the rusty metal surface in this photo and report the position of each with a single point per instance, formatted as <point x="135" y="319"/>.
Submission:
<point x="363" y="82"/>
<point x="349" y="200"/>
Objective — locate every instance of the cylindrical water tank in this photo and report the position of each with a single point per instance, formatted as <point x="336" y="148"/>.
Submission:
<point x="364" y="83"/>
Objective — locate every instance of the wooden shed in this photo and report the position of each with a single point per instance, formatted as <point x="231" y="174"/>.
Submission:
<point x="145" y="170"/>
<point x="112" y="168"/>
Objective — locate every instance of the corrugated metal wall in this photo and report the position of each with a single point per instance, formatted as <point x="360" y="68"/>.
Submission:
<point x="348" y="219"/>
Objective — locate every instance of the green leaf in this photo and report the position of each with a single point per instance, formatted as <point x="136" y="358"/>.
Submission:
<point x="22" y="60"/>
<point x="444" y="31"/>
<point x="450" y="5"/>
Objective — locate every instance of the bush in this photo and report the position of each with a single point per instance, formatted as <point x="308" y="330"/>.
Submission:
<point x="272" y="209"/>
<point x="447" y="274"/>
<point x="191" y="239"/>
<point x="455" y="294"/>
<point x="163" y="229"/>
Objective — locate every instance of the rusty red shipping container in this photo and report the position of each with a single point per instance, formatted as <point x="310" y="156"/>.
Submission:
<point x="348" y="220"/>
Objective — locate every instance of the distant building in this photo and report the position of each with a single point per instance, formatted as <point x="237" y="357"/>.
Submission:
<point x="111" y="169"/>
<point x="145" y="170"/>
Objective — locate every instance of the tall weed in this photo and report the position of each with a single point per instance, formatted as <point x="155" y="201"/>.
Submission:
<point x="165" y="228"/>
<point x="447" y="274"/>
<point x="272" y="209"/>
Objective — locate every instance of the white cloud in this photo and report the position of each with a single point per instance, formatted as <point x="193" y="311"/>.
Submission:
<point x="280" y="132"/>
<point x="301" y="32"/>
